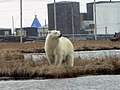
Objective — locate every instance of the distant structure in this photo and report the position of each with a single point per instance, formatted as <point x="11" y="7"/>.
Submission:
<point x="27" y="31"/>
<point x="86" y="26"/>
<point x="90" y="11"/>
<point x="107" y="16"/>
<point x="90" y="7"/>
<point x="64" y="12"/>
<point x="30" y="31"/>
<point x="5" y="31"/>
<point x="36" y="30"/>
<point x="35" y="23"/>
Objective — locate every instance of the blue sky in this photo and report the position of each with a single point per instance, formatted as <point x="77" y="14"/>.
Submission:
<point x="9" y="8"/>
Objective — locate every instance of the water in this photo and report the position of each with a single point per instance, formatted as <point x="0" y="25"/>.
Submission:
<point x="108" y="82"/>
<point x="82" y="54"/>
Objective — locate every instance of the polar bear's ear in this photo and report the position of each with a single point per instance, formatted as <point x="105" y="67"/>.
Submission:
<point x="49" y="31"/>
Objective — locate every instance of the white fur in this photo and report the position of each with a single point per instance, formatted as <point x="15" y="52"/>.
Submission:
<point x="59" y="49"/>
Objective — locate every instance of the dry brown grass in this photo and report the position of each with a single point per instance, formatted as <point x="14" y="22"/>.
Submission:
<point x="13" y="65"/>
<point x="78" y="45"/>
<point x="95" y="44"/>
<point x="22" y="47"/>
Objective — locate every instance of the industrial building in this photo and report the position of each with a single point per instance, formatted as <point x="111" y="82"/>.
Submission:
<point x="67" y="17"/>
<point x="107" y="16"/>
<point x="5" y="31"/>
<point x="86" y="26"/>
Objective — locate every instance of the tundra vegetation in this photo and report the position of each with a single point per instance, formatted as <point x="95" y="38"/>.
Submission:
<point x="14" y="66"/>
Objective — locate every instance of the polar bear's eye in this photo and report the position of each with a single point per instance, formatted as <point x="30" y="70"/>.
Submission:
<point x="55" y="33"/>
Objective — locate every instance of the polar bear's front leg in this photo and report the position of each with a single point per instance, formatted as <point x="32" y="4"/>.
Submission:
<point x="58" y="59"/>
<point x="51" y="59"/>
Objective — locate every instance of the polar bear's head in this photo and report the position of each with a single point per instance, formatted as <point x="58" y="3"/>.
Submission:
<point x="54" y="34"/>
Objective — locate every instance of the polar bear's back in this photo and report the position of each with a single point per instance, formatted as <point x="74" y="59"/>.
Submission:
<point x="66" y="45"/>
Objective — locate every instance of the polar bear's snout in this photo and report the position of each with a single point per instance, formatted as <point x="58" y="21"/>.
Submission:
<point x="60" y="35"/>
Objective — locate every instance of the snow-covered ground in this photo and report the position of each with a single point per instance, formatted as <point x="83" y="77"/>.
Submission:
<point x="82" y="54"/>
<point x="98" y="54"/>
<point x="104" y="82"/>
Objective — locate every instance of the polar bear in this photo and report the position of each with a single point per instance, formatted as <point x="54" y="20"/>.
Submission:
<point x="59" y="50"/>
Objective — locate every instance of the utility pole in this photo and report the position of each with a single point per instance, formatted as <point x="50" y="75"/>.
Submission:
<point x="95" y="30"/>
<point x="55" y="26"/>
<point x="105" y="30"/>
<point x="72" y="21"/>
<point x="21" y="21"/>
<point x="13" y="25"/>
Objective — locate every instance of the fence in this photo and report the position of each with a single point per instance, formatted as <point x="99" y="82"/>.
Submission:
<point x="70" y="36"/>
<point x="88" y="36"/>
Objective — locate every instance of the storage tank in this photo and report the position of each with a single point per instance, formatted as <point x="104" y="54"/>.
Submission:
<point x="108" y="17"/>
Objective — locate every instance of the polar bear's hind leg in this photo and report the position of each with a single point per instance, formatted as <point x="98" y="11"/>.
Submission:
<point x="69" y="60"/>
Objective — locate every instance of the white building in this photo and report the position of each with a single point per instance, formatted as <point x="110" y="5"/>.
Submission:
<point x="42" y="31"/>
<point x="108" y="17"/>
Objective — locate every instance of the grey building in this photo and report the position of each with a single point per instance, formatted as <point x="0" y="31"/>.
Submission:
<point x="90" y="11"/>
<point x="27" y="31"/>
<point x="64" y="17"/>
<point x="5" y="31"/>
<point x="83" y="16"/>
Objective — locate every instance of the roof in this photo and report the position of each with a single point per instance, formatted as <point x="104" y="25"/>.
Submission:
<point x="36" y="22"/>
<point x="104" y="2"/>
<point x="63" y="2"/>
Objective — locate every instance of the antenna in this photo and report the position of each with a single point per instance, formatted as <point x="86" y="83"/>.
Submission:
<point x="35" y="15"/>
